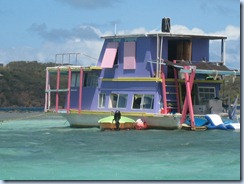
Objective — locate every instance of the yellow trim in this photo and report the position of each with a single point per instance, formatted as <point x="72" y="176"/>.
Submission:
<point x="139" y="114"/>
<point x="74" y="111"/>
<point x="169" y="80"/>
<point x="74" y="68"/>
<point x="96" y="68"/>
<point x="153" y="79"/>
<point x="133" y="79"/>
<point x="202" y="81"/>
<point x="135" y="114"/>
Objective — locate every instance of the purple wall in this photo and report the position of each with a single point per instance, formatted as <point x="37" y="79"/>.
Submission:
<point x="146" y="48"/>
<point x="200" y="49"/>
<point x="145" y="51"/>
<point x="130" y="88"/>
<point x="90" y="95"/>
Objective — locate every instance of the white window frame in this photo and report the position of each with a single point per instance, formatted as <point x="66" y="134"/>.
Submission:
<point x="117" y="105"/>
<point x="207" y="95"/>
<point x="101" y="100"/>
<point x="142" y="103"/>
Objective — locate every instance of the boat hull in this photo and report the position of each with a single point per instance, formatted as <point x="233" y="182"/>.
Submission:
<point x="159" y="121"/>
<point x="112" y="126"/>
<point x="154" y="121"/>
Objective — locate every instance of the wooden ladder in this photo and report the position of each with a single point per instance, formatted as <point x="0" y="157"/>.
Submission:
<point x="172" y="97"/>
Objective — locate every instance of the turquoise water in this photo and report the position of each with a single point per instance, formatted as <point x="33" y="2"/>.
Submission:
<point x="48" y="149"/>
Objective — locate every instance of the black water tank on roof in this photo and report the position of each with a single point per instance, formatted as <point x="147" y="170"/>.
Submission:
<point x="165" y="25"/>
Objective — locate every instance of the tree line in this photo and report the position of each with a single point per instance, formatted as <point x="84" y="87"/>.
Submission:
<point x="22" y="84"/>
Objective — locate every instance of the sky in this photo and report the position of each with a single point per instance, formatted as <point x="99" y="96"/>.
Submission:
<point x="36" y="30"/>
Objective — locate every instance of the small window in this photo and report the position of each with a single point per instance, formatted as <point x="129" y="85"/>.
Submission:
<point x="118" y="100"/>
<point x="148" y="102"/>
<point x="102" y="99"/>
<point x="143" y="101"/>
<point x="91" y="79"/>
<point x="137" y="101"/>
<point x="206" y="93"/>
<point x="75" y="80"/>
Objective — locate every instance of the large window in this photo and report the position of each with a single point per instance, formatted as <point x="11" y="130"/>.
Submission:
<point x="101" y="102"/>
<point x="118" y="100"/>
<point x="206" y="93"/>
<point x="143" y="101"/>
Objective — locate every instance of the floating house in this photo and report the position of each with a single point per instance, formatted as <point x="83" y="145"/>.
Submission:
<point x="158" y="77"/>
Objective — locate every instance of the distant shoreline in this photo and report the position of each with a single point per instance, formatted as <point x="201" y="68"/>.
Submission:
<point x="9" y="114"/>
<point x="35" y="109"/>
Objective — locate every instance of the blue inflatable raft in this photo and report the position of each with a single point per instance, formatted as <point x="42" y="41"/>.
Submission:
<point x="215" y="122"/>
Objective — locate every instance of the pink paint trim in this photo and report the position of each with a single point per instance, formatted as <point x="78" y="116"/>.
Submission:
<point x="164" y="93"/>
<point x="46" y="93"/>
<point x="177" y="88"/>
<point x="80" y="90"/>
<point x="57" y="88"/>
<point x="129" y="55"/>
<point x="109" y="55"/>
<point x="69" y="90"/>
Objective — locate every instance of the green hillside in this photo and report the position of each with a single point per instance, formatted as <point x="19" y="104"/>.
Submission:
<point x="22" y="84"/>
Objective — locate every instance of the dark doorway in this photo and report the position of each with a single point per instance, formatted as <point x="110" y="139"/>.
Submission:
<point x="179" y="50"/>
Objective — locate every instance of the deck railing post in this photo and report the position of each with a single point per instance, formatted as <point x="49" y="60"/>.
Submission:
<point x="46" y="92"/>
<point x="164" y="96"/>
<point x="80" y="90"/>
<point x="69" y="90"/>
<point x="57" y="88"/>
<point x="177" y="88"/>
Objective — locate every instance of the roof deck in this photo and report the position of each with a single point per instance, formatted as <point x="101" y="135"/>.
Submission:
<point x="169" y="35"/>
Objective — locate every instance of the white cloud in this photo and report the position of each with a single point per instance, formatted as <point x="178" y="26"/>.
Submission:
<point x="85" y="39"/>
<point x="88" y="4"/>
<point x="47" y="51"/>
<point x="140" y="30"/>
<point x="179" y="29"/>
<point x="232" y="32"/>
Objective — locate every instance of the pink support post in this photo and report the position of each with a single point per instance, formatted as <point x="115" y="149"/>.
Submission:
<point x="185" y="106"/>
<point x="164" y="92"/>
<point x="57" y="88"/>
<point x="69" y="90"/>
<point x="177" y="88"/>
<point x="46" y="92"/>
<point x="49" y="97"/>
<point x="80" y="90"/>
<point x="188" y="100"/>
